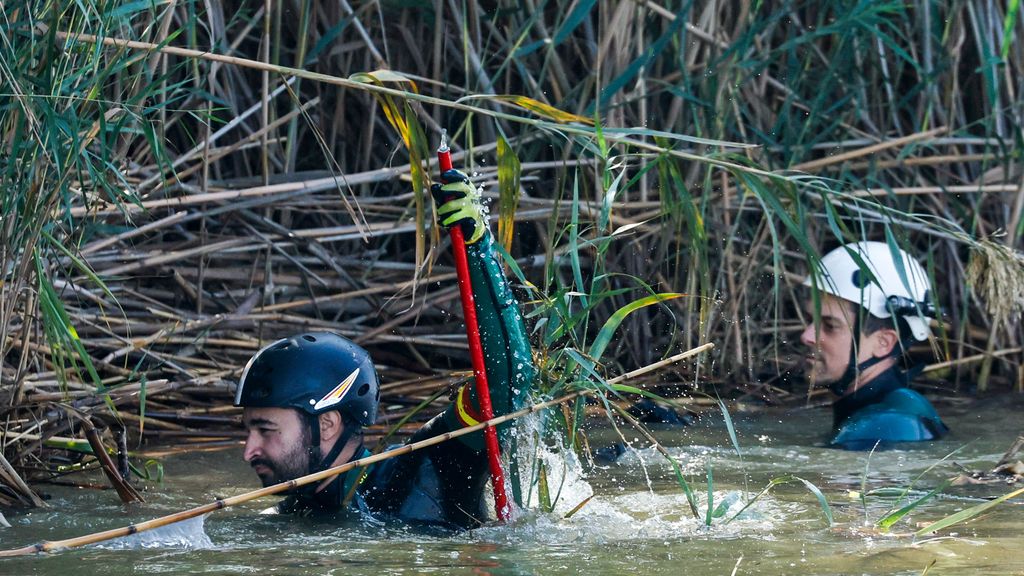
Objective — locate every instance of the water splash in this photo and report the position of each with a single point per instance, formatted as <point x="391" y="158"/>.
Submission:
<point x="642" y="516"/>
<point x="565" y="475"/>
<point x="189" y="534"/>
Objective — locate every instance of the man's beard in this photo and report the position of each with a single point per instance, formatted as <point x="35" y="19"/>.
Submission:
<point x="288" y="467"/>
<point x="817" y="372"/>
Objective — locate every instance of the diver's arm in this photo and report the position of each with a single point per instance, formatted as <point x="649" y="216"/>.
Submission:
<point x="452" y="479"/>
<point x="506" y="348"/>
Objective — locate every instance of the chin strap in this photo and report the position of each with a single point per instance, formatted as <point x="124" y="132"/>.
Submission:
<point x="318" y="463"/>
<point x="840" y="386"/>
<point x="853" y="369"/>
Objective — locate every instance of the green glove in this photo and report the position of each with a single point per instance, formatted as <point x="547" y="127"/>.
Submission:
<point x="458" y="203"/>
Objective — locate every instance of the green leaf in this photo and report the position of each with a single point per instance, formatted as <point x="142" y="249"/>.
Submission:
<point x="132" y="8"/>
<point x="543" y="492"/>
<point x="574" y="245"/>
<point x="1008" y="22"/>
<point x="326" y="40"/>
<point x="690" y="498"/>
<point x="416" y="142"/>
<point x="826" y="510"/>
<point x="730" y="428"/>
<point x="640" y="63"/>
<point x="627" y="389"/>
<point x="888" y="520"/>
<point x="822" y="501"/>
<point x="79" y="264"/>
<point x="604" y="336"/>
<point x="647" y="132"/>
<point x="587" y="364"/>
<point x="142" y="404"/>
<point x="606" y="205"/>
<point x="573" y="20"/>
<point x="966" y="514"/>
<point x="711" y="495"/>
<point x="57" y="320"/>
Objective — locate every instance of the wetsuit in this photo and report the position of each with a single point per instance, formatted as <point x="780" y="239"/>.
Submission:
<point x="443" y="485"/>
<point x="884" y="410"/>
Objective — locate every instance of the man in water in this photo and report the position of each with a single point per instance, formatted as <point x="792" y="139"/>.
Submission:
<point x="873" y="305"/>
<point x="308" y="397"/>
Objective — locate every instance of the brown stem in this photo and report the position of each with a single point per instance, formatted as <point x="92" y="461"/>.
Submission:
<point x="125" y="490"/>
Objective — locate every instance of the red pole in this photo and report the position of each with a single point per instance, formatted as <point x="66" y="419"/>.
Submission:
<point x="476" y="351"/>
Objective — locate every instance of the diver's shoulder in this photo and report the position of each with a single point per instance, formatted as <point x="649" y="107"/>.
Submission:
<point x="902" y="416"/>
<point x="907" y="402"/>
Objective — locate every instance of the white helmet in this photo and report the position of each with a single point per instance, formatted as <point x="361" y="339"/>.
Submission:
<point x="885" y="287"/>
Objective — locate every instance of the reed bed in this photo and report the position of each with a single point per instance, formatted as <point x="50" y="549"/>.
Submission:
<point x="173" y="205"/>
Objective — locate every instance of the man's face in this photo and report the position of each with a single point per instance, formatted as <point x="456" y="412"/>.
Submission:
<point x="277" y="444"/>
<point x="829" y="341"/>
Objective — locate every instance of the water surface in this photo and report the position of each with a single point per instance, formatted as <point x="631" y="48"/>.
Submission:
<point x="637" y="522"/>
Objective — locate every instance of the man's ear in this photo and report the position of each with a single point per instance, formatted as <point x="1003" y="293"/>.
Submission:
<point x="884" y="341"/>
<point x="330" y="425"/>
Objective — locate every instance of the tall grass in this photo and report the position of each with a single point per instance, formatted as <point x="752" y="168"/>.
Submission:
<point x="166" y="213"/>
<point x="72" y="119"/>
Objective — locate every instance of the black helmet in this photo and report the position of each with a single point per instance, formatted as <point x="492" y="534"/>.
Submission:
<point x="315" y="372"/>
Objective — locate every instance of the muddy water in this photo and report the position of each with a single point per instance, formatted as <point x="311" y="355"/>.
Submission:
<point x="637" y="522"/>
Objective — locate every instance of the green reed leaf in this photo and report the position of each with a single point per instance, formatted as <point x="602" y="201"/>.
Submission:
<point x="967" y="514"/>
<point x="711" y="494"/>
<point x="888" y="520"/>
<point x="604" y="336"/>
<point x="543" y="491"/>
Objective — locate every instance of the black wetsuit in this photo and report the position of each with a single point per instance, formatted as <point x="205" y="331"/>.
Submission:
<point x="444" y="485"/>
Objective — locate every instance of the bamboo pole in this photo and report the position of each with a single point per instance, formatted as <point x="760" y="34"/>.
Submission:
<point x="221" y="503"/>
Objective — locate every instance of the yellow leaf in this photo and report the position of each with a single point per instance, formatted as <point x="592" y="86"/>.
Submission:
<point x="537" y="107"/>
<point x="381" y="77"/>
<point x="509" y="170"/>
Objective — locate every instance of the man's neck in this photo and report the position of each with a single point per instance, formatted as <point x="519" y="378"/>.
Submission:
<point x="347" y="453"/>
<point x="869" y="374"/>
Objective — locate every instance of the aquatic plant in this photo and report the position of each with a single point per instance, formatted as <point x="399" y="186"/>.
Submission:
<point x="787" y="479"/>
<point x="967" y="514"/>
<point x="70" y="127"/>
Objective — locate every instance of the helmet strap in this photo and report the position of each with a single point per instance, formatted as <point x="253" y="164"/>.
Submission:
<point x="349" y="429"/>
<point x="853" y="369"/>
<point x="318" y="462"/>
